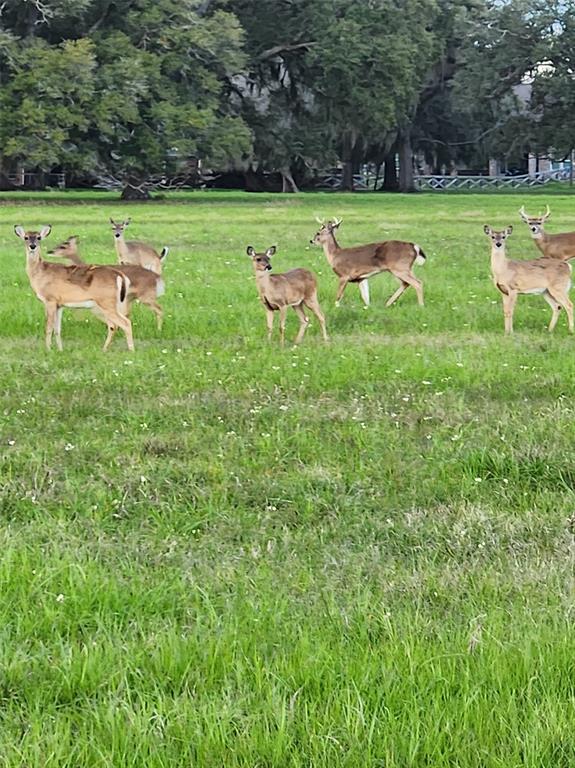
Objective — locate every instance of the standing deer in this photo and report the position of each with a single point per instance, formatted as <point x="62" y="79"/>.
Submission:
<point x="135" y="251"/>
<point x="145" y="286"/>
<point x="296" y="289"/>
<point x="358" y="263"/>
<point x="58" y="286"/>
<point x="559" y="246"/>
<point x="549" y="277"/>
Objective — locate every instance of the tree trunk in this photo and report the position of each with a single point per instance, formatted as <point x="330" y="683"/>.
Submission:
<point x="347" y="160"/>
<point x="135" y="192"/>
<point x="390" y="181"/>
<point x="288" y="183"/>
<point x="406" y="182"/>
<point x="377" y="172"/>
<point x="5" y="183"/>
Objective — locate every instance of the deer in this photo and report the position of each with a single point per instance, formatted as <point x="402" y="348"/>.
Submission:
<point x="145" y="286"/>
<point x="135" y="251"/>
<point x="560" y="246"/>
<point x="296" y="289"/>
<point x="58" y="286"/>
<point x="358" y="263"/>
<point x="549" y="277"/>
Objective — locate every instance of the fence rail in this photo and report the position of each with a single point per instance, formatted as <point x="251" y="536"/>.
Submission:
<point x="332" y="181"/>
<point x="442" y="183"/>
<point x="28" y="180"/>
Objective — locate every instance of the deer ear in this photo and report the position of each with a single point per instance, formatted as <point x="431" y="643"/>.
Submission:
<point x="112" y="222"/>
<point x="19" y="231"/>
<point x="250" y="251"/>
<point x="45" y="231"/>
<point x="127" y="222"/>
<point x="271" y="250"/>
<point x="487" y="229"/>
<point x="509" y="229"/>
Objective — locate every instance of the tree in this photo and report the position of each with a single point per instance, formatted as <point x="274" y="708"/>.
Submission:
<point x="151" y="86"/>
<point x="369" y="63"/>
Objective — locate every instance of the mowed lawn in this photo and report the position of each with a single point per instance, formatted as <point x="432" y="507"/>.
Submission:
<point x="214" y="552"/>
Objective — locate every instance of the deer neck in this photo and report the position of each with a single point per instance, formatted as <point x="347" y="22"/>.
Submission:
<point x="33" y="263"/>
<point x="121" y="247"/>
<point x="263" y="281"/>
<point x="331" y="248"/>
<point x="498" y="260"/>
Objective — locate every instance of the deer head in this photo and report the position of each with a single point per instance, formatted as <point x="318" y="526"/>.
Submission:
<point x="261" y="261"/>
<point x="498" y="237"/>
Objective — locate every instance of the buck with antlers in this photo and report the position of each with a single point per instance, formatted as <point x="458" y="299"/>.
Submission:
<point x="549" y="277"/>
<point x="559" y="246"/>
<point x="135" y="251"/>
<point x="145" y="286"/>
<point x="358" y="263"/>
<point x="296" y="289"/>
<point x="58" y="286"/>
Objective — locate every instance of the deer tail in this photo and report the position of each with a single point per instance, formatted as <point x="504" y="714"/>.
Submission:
<point x="160" y="287"/>
<point x="122" y="286"/>
<point x="420" y="257"/>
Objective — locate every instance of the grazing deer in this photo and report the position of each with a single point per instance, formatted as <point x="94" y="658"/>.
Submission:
<point x="145" y="286"/>
<point x="296" y="289"/>
<point x="58" y="286"/>
<point x="135" y="251"/>
<point x="549" y="277"/>
<point x="359" y="263"/>
<point x="559" y="246"/>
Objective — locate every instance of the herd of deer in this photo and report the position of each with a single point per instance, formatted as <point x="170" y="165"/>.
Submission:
<point x="110" y="290"/>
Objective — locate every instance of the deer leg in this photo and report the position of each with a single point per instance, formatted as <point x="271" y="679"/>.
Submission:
<point x="51" y="310"/>
<point x="411" y="279"/>
<point x="156" y="309"/>
<point x="343" y="281"/>
<point x="395" y="296"/>
<point x="304" y="321"/>
<point x="58" y="328"/>
<point x="314" y="306"/>
<point x="508" y="310"/>
<point x="116" y="320"/>
<point x="270" y="323"/>
<point x="364" y="291"/>
<point x="555" y="306"/>
<point x="110" y="336"/>
<point x="563" y="299"/>
<point x="283" y="313"/>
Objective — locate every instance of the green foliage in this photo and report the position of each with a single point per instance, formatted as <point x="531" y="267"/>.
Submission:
<point x="149" y="81"/>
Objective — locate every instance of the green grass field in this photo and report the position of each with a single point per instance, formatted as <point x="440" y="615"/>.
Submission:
<point x="217" y="553"/>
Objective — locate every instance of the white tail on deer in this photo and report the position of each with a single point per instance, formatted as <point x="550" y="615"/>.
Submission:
<point x="549" y="277"/>
<point x="559" y="246"/>
<point x="358" y="263"/>
<point x="135" y="251"/>
<point x="58" y="286"/>
<point x="296" y="289"/>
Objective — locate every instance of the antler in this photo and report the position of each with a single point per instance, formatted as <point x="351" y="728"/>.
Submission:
<point x="523" y="214"/>
<point x="547" y="213"/>
<point x="336" y="222"/>
<point x="319" y="221"/>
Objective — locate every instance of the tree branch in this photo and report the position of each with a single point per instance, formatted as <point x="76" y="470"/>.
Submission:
<point x="269" y="53"/>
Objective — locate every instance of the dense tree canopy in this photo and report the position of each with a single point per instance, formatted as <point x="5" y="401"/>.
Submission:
<point x="136" y="89"/>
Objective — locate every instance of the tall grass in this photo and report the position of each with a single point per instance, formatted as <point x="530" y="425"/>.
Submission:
<point x="215" y="552"/>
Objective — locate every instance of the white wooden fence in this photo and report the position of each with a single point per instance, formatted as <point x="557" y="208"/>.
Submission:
<point x="442" y="183"/>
